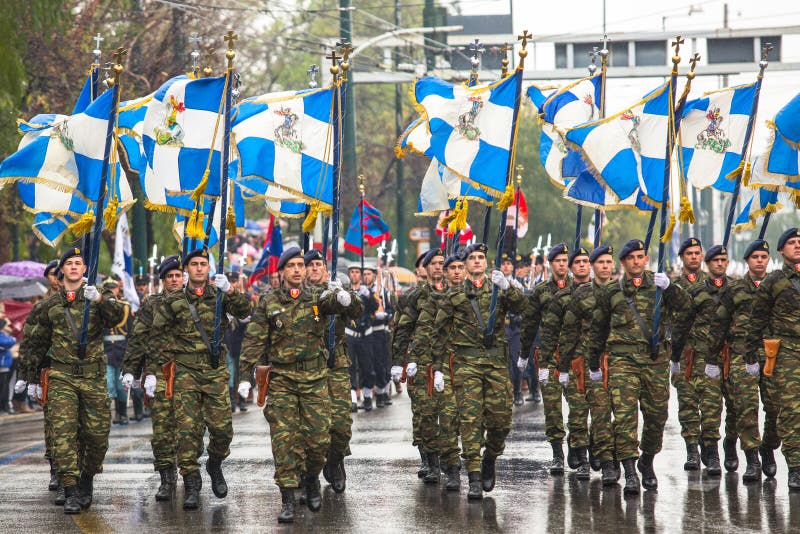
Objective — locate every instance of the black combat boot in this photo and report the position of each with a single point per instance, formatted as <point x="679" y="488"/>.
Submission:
<point x="752" y="472"/>
<point x="287" y="506"/>
<point x="85" y="490"/>
<point x="168" y="478"/>
<point x="61" y="497"/>
<point x="339" y="477"/>
<point x="242" y="403"/>
<point x="301" y="489"/>
<point x="692" y="458"/>
<point x="645" y="465"/>
<point x="703" y="453"/>
<point x="488" y="472"/>
<point x="367" y="404"/>
<point x="557" y="466"/>
<point x="53" y="485"/>
<point x="313" y="496"/>
<point x="594" y="461"/>
<point x="71" y="502"/>
<point x="327" y="469"/>
<point x="433" y="469"/>
<point x="631" y="478"/>
<point x="122" y="410"/>
<point x="609" y="474"/>
<point x="518" y="401"/>
<point x="731" y="462"/>
<point x="794" y="479"/>
<point x="192" y="482"/>
<point x="138" y="407"/>
<point x="422" y="472"/>
<point x="583" y="471"/>
<point x="713" y="467"/>
<point x="214" y="470"/>
<point x="453" y="478"/>
<point x="379" y="400"/>
<point x="353" y="407"/>
<point x="387" y="401"/>
<point x="475" y="492"/>
<point x="572" y="457"/>
<point x="768" y="465"/>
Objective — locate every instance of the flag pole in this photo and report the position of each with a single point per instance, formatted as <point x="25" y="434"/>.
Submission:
<point x="748" y="136"/>
<point x="312" y="84"/>
<point x="599" y="214"/>
<point x="764" y="225"/>
<point x="517" y="193"/>
<point x="361" y="217"/>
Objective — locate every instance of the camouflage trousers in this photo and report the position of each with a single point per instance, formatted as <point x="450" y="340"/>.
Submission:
<point x="162" y="413"/>
<point x="635" y="383"/>
<point x="415" y="433"/>
<point x="699" y="403"/>
<point x="602" y="429"/>
<point x="201" y="402"/>
<point x="341" y="419"/>
<point x="77" y="409"/>
<point x="438" y="417"/>
<point x="552" y="392"/>
<point x="787" y="382"/>
<point x="299" y="415"/>
<point x="484" y="398"/>
<point x="578" y="418"/>
<point x="48" y="432"/>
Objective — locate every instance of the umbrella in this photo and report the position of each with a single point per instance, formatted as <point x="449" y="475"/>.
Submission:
<point x="19" y="287"/>
<point x="25" y="269"/>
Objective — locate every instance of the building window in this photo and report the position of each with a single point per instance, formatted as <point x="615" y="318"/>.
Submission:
<point x="618" y="53"/>
<point x="730" y="50"/>
<point x="651" y="53"/>
<point x="561" y="56"/>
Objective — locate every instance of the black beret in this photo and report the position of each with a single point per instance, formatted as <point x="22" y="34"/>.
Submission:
<point x="429" y="255"/>
<point x="420" y="258"/>
<point x="630" y="246"/>
<point x="475" y="247"/>
<point x="453" y="258"/>
<point x="716" y="250"/>
<point x="557" y="250"/>
<point x="600" y="251"/>
<point x="505" y="256"/>
<point x="170" y="263"/>
<point x="141" y="279"/>
<point x="580" y="251"/>
<point x="522" y="261"/>
<point x="786" y="236"/>
<point x="691" y="242"/>
<point x="110" y="283"/>
<point x="758" y="244"/>
<point x="196" y="253"/>
<point x="539" y="260"/>
<point x="70" y="253"/>
<point x="289" y="254"/>
<point x="312" y="255"/>
<point x="51" y="266"/>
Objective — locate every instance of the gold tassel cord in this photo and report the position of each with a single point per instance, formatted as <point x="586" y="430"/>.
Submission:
<point x="110" y="214"/>
<point x="230" y="221"/>
<point x="198" y="192"/>
<point x="507" y="199"/>
<point x="311" y="219"/>
<point x="459" y="221"/>
<point x="748" y="168"/>
<point x="686" y="214"/>
<point x="83" y="225"/>
<point x="668" y="233"/>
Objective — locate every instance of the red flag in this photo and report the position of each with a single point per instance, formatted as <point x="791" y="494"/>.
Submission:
<point x="511" y="214"/>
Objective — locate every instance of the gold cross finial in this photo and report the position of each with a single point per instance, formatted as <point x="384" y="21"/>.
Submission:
<point x="525" y="36"/>
<point x="345" y="49"/>
<point x="334" y="57"/>
<point x="693" y="61"/>
<point x="519" y="169"/>
<point x="361" y="188"/>
<point x="677" y="44"/>
<point x="208" y="71"/>
<point x="116" y="68"/>
<point x="523" y="53"/>
<point x="230" y="37"/>
<point x="506" y="48"/>
<point x="765" y="50"/>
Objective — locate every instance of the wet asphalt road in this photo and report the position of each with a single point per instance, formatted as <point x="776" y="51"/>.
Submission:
<point x="383" y="493"/>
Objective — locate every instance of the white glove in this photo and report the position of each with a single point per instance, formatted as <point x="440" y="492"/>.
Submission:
<point x="522" y="363"/>
<point x="127" y="380"/>
<point x="185" y="278"/>
<point x="397" y="373"/>
<point x="19" y="386"/>
<point x="595" y="376"/>
<point x="38" y="392"/>
<point x="563" y="379"/>
<point x="516" y="284"/>
<point x="137" y="383"/>
<point x="500" y="280"/>
<point x="333" y="285"/>
<point x="661" y="280"/>
<point x="343" y="298"/>
<point x="222" y="282"/>
<point x="544" y="375"/>
<point x="411" y="369"/>
<point x="712" y="371"/>
<point x="438" y="381"/>
<point x="244" y="389"/>
<point x="150" y="385"/>
<point x="674" y="367"/>
<point x="380" y="315"/>
<point x="32" y="391"/>
<point x="363" y="291"/>
<point x="91" y="293"/>
<point x="753" y="369"/>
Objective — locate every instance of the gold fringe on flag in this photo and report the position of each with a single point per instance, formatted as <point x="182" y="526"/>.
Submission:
<point x="507" y="199"/>
<point x="686" y="214"/>
<point x="83" y="225"/>
<point x="110" y="214"/>
<point x="668" y="233"/>
<point x="459" y="221"/>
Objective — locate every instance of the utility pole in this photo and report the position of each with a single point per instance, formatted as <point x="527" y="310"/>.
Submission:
<point x="400" y="230"/>
<point x="349" y="155"/>
<point x="429" y="19"/>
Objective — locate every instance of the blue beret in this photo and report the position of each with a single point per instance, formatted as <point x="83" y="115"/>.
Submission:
<point x="580" y="251"/>
<point x="716" y="250"/>
<point x="420" y="258"/>
<point x="452" y="258"/>
<point x="51" y="266"/>
<point x="475" y="247"/>
<point x="71" y="252"/>
<point x="170" y="263"/>
<point x="691" y="242"/>
<point x="522" y="261"/>
<point x="600" y="251"/>
<point x="630" y="246"/>
<point x="196" y="253"/>
<point x="429" y="255"/>
<point x="758" y="244"/>
<point x="505" y="256"/>
<point x="312" y="255"/>
<point x="289" y="254"/>
<point x="557" y="250"/>
<point x="786" y="236"/>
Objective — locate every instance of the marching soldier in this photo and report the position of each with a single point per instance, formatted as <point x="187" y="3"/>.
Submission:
<point x="200" y="388"/>
<point x="288" y="330"/>
<point x="774" y="327"/>
<point x="622" y="326"/>
<point x="513" y="322"/>
<point x="77" y="392"/>
<point x="375" y="339"/>
<point x="362" y="370"/>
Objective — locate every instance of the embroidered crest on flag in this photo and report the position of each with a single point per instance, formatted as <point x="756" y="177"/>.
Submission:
<point x="171" y="134"/>
<point x="466" y="121"/>
<point x="286" y="134"/>
<point x="713" y="137"/>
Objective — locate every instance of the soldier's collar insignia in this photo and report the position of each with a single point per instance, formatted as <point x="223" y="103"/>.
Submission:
<point x="71" y="295"/>
<point x="757" y="282"/>
<point x="199" y="291"/>
<point x="718" y="282"/>
<point x="478" y="282"/>
<point x="692" y="277"/>
<point x="294" y="292"/>
<point x="637" y="281"/>
<point x="561" y="284"/>
<point x="797" y="267"/>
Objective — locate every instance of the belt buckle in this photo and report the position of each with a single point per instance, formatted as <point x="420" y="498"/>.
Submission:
<point x="77" y="369"/>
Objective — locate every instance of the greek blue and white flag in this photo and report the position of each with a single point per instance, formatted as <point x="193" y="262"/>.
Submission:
<point x="712" y="131"/>
<point x="235" y="201"/>
<point x="587" y="191"/>
<point x="286" y="140"/>
<point x="756" y="203"/>
<point x="123" y="262"/>
<point x="783" y="156"/>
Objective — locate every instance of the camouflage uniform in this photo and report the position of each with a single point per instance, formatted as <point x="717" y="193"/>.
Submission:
<point x="77" y="405"/>
<point x="406" y="319"/>
<point x="200" y="392"/>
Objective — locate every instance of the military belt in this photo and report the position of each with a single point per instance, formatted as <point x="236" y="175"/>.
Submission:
<point x="191" y="357"/>
<point x="378" y="328"/>
<point x="352" y="333"/>
<point x="86" y="370"/>
<point x="639" y="348"/>
<point x="478" y="351"/>
<point x="313" y="364"/>
<point x="114" y="338"/>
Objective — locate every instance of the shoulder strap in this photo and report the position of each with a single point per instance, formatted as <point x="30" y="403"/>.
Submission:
<point x="796" y="283"/>
<point x="632" y="305"/>
<point x="198" y="324"/>
<point x="71" y="323"/>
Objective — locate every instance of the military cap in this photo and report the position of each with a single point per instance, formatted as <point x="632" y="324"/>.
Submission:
<point x="580" y="251"/>
<point x="289" y="254"/>
<point x="786" y="236"/>
<point x="522" y="261"/>
<point x="505" y="256"/>
<point x="371" y="267"/>
<point x="354" y="265"/>
<point x="110" y="283"/>
<point x="51" y="266"/>
<point x="452" y="258"/>
<point x="691" y="242"/>
<point x="141" y="279"/>
<point x="758" y="244"/>
<point x="475" y="247"/>
<point x="432" y="253"/>
<point x="419" y="259"/>
<point x="716" y="250"/>
<point x="170" y="263"/>
<point x="600" y="251"/>
<point x="557" y="250"/>
<point x="631" y="246"/>
<point x="540" y="260"/>
<point x="71" y="252"/>
<point x="196" y="253"/>
<point x="312" y="255"/>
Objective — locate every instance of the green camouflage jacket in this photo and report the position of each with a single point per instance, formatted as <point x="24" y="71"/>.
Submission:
<point x="776" y="310"/>
<point x="577" y="318"/>
<point x="537" y="303"/>
<point x="423" y="342"/>
<point x="707" y="298"/>
<point x="732" y="317"/>
<point x="406" y="319"/>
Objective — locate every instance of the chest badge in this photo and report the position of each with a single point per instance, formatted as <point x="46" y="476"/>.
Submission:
<point x="637" y="282"/>
<point x="478" y="283"/>
<point x="797" y="267"/>
<point x="278" y="323"/>
<point x="199" y="291"/>
<point x="692" y="277"/>
<point x="294" y="292"/>
<point x="757" y="283"/>
<point x="718" y="282"/>
<point x="439" y="286"/>
<point x="561" y="284"/>
<point x="315" y="309"/>
<point x="70" y="296"/>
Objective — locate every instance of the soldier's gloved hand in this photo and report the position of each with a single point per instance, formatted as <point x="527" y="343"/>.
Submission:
<point x="661" y="280"/>
<point x="674" y="367"/>
<point x="595" y="376"/>
<point x="753" y="369"/>
<point x="150" y="382"/>
<point x="343" y="298"/>
<point x="91" y="293"/>
<point x="563" y="379"/>
<point x="515" y="284"/>
<point x="127" y="380"/>
<point x="185" y="278"/>
<point x="222" y="282"/>
<point x="19" y="386"/>
<point x="411" y="369"/>
<point x="544" y="375"/>
<point x="363" y="291"/>
<point x="333" y="285"/>
<point x="499" y="279"/>
<point x="244" y="389"/>
<point x="712" y="371"/>
<point x="33" y="393"/>
<point x="438" y="381"/>
<point x="397" y="373"/>
<point x="379" y="315"/>
<point x="522" y="363"/>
